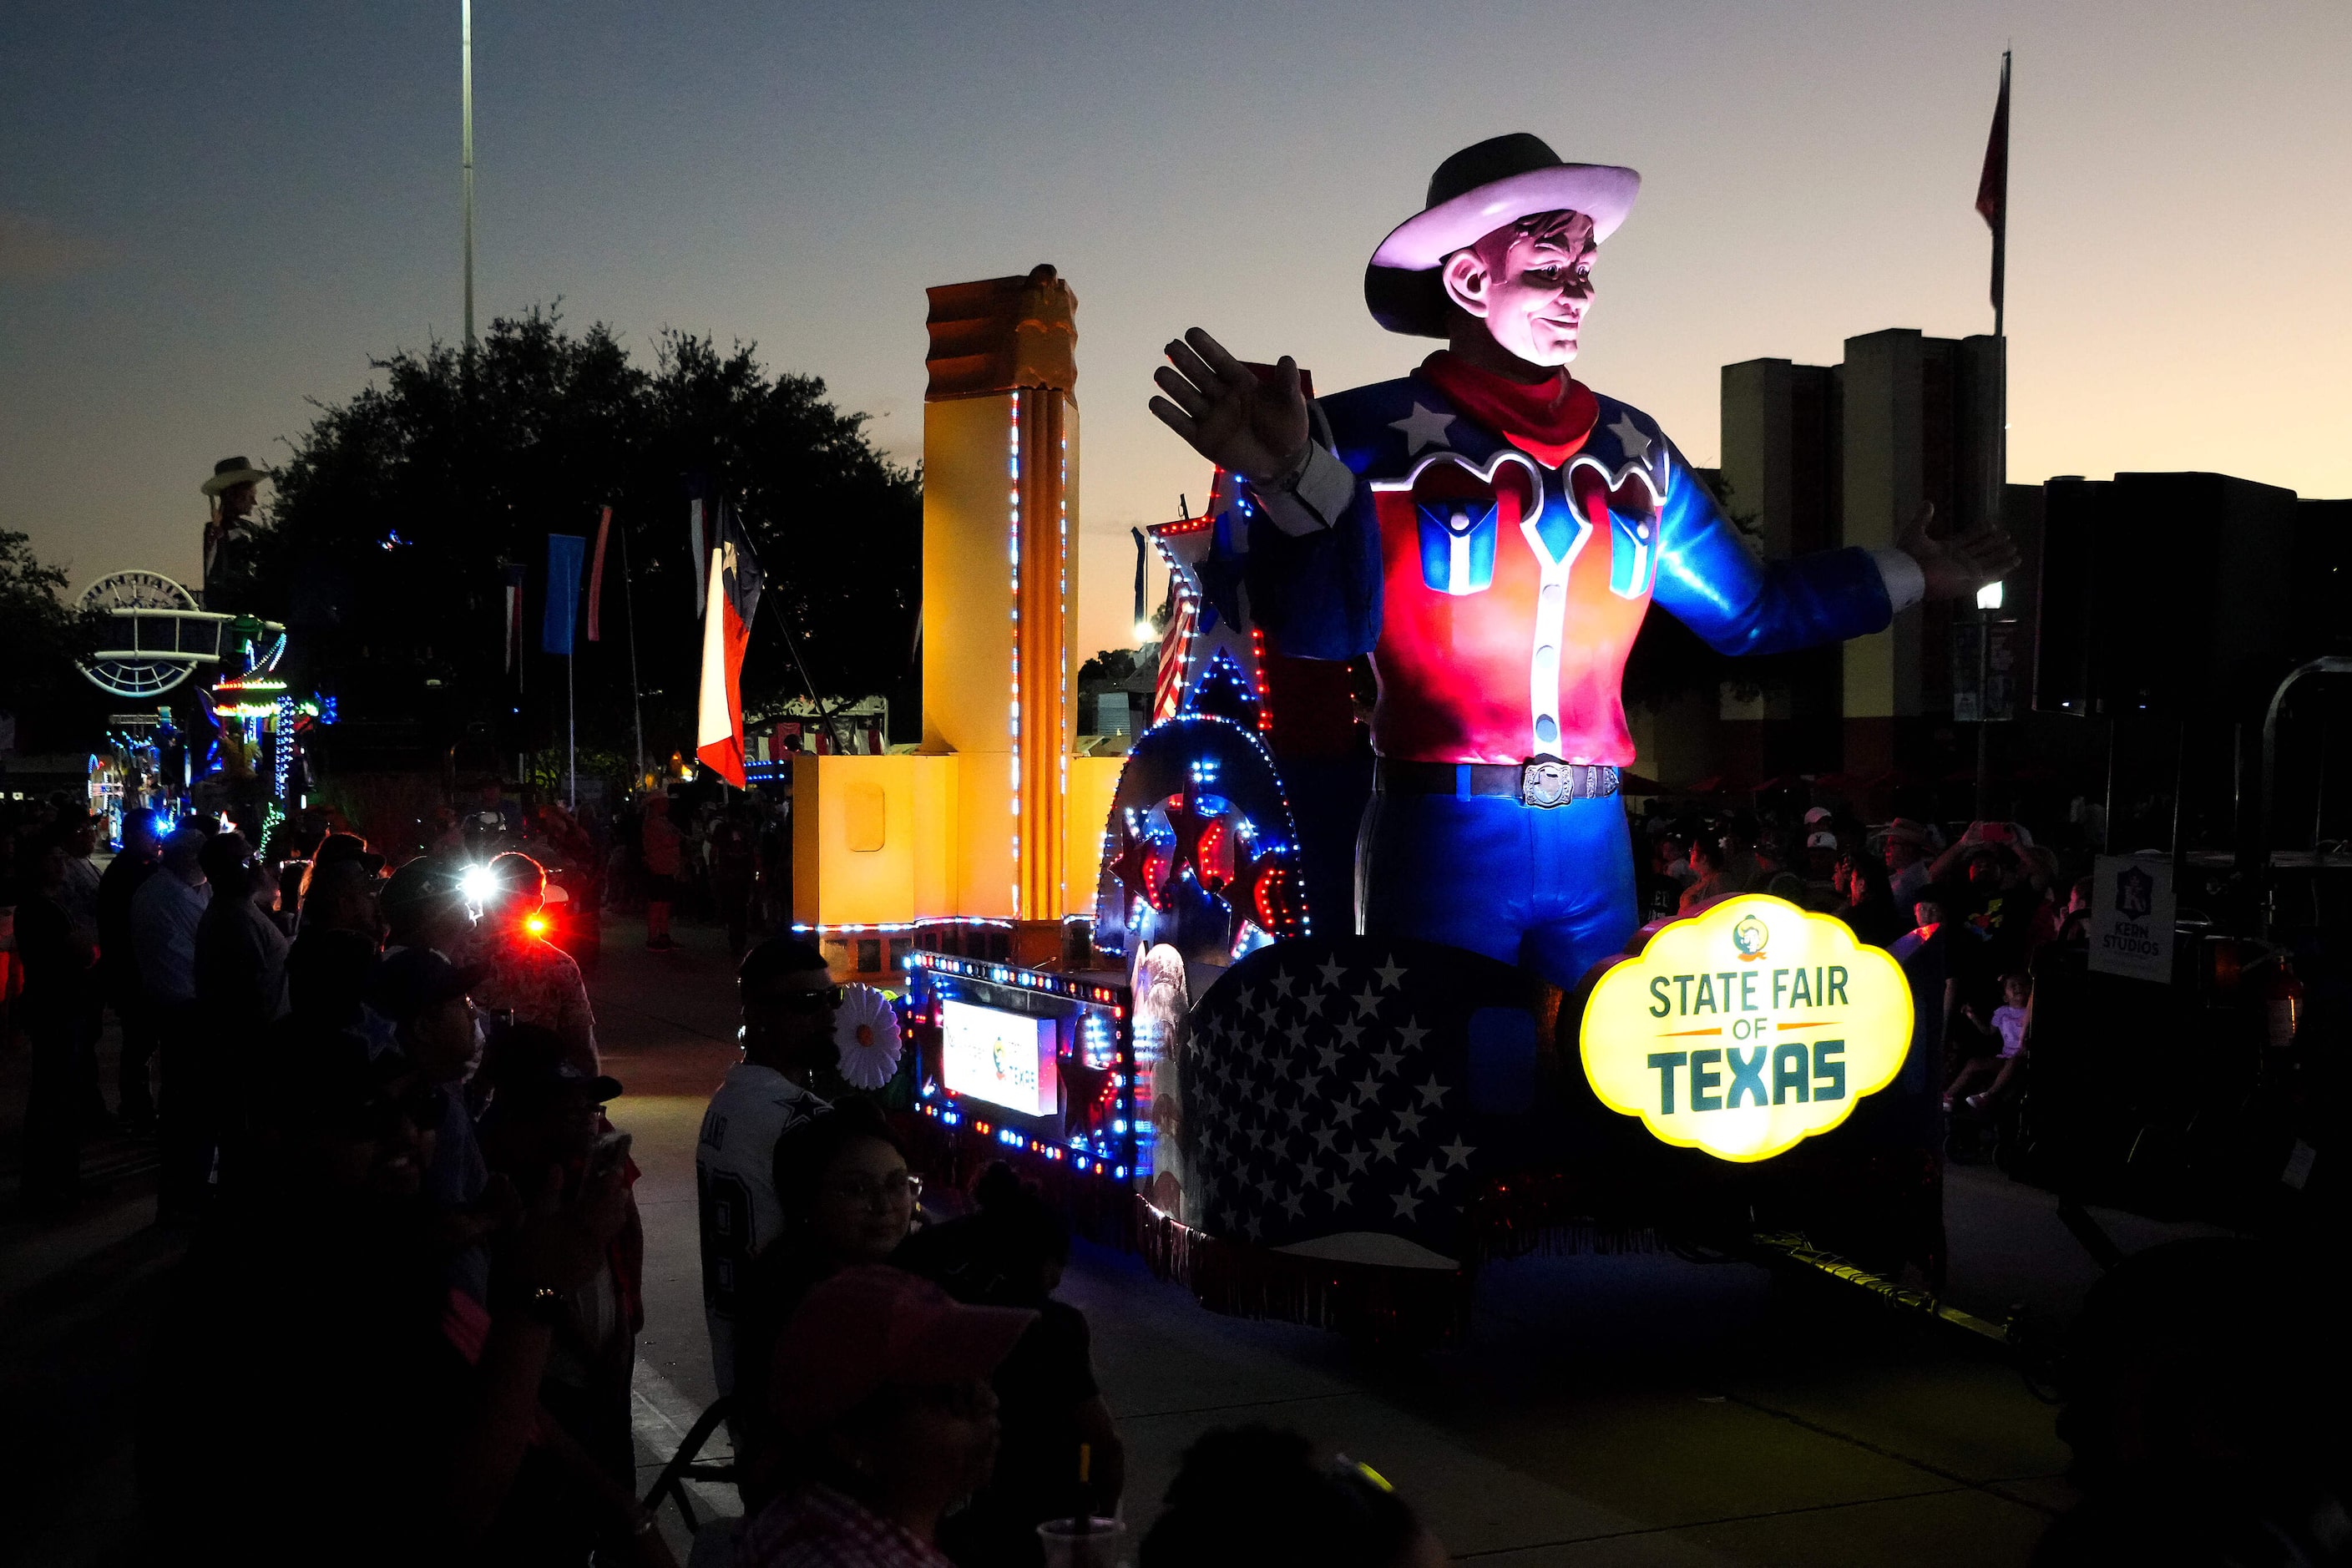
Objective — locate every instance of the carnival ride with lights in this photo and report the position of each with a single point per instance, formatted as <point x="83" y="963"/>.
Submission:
<point x="1113" y="971"/>
<point x="235" y="745"/>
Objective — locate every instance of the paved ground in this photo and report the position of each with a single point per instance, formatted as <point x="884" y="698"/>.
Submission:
<point x="1623" y="1409"/>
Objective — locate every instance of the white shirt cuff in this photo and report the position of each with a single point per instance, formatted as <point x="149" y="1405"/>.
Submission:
<point x="1905" y="584"/>
<point x="1311" y="502"/>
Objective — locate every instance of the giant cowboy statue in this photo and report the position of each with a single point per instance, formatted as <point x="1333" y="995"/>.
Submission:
<point x="1491" y="531"/>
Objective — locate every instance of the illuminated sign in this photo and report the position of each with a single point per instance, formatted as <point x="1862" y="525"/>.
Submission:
<point x="1747" y="1029"/>
<point x="1005" y="1059"/>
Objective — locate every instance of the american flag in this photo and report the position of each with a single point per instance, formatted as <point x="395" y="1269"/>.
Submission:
<point x="1347" y="1084"/>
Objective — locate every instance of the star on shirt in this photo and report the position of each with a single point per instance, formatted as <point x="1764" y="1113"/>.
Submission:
<point x="1391" y="974"/>
<point x="1630" y="437"/>
<point x="1332" y="971"/>
<point x="1458" y="1154"/>
<point x="1423" y="427"/>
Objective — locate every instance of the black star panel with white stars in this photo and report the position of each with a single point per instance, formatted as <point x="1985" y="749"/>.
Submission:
<point x="1328" y="1086"/>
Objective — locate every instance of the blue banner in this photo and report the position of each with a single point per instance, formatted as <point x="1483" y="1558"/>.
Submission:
<point x="565" y="551"/>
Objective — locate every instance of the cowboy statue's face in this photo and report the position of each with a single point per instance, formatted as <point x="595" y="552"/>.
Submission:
<point x="1531" y="282"/>
<point x="237" y="501"/>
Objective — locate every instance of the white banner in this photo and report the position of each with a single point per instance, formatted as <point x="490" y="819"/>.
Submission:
<point x="2131" y="917"/>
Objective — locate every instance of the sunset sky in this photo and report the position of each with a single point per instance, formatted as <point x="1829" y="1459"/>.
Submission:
<point x="210" y="215"/>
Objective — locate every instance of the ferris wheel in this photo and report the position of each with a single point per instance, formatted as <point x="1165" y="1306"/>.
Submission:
<point x="154" y="636"/>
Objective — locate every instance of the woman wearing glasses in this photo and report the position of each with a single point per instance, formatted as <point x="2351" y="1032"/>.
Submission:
<point x="848" y="1199"/>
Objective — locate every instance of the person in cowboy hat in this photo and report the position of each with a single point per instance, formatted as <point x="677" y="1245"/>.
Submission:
<point x="231" y="490"/>
<point x="1491" y="531"/>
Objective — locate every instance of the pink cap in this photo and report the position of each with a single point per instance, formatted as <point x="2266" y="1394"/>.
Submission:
<point x="872" y="1327"/>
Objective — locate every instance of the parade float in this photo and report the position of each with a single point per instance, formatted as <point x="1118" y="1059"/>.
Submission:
<point x="1160" y="982"/>
<point x="230" y="740"/>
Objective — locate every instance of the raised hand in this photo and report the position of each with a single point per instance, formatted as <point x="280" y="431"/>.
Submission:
<point x="1957" y="568"/>
<point x="1241" y="424"/>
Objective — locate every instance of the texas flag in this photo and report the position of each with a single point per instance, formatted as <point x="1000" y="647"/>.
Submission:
<point x="734" y="598"/>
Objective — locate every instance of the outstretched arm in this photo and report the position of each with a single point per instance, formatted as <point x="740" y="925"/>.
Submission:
<point x="1245" y="426"/>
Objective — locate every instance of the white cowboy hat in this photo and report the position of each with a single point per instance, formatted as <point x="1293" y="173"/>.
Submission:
<point x="1473" y="193"/>
<point x="230" y="472"/>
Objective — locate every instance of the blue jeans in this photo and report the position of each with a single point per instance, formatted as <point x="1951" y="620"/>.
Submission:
<point x="1548" y="888"/>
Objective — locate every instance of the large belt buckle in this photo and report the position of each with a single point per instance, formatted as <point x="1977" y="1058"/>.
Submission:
<point x="1547" y="782"/>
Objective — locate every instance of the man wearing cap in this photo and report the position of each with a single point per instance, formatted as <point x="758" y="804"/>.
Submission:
<point x="1908" y="872"/>
<point x="422" y="995"/>
<point x="526" y="976"/>
<point x="1491" y="531"/>
<point x="229" y="531"/>
<point x="789" y="1002"/>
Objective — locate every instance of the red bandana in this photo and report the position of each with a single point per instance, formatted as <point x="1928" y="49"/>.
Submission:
<point x="1548" y="420"/>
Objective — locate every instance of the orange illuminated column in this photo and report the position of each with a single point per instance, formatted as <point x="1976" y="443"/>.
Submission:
<point x="1000" y="513"/>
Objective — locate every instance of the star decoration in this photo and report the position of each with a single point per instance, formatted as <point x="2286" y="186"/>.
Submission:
<point x="1412" y="1034"/>
<point x="1458" y="1154"/>
<point x="1368" y="1088"/>
<point x="1406" y="1204"/>
<point x="1325" y="1137"/>
<point x="1429" y="1176"/>
<point x="1387" y="1145"/>
<point x="1185" y="821"/>
<point x="1296" y="1204"/>
<point x="1411" y="1121"/>
<point x="1347" y="1033"/>
<point x="1330" y="1056"/>
<point x="1630" y="437"/>
<point x="1423" y="427"/>
<point x="1130" y="866"/>
<point x="1332" y="969"/>
<point x="1391" y="974"/>
<point x="1431" y="1092"/>
<point x="1368" y="1000"/>
<point x="1357" y="1159"/>
<point x="1389" y="1062"/>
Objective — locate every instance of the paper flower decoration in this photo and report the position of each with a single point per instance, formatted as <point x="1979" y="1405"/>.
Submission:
<point x="866" y="1033"/>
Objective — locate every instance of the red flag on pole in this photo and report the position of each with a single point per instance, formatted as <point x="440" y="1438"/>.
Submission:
<point x="734" y="597"/>
<point x="596" y="577"/>
<point x="1992" y="188"/>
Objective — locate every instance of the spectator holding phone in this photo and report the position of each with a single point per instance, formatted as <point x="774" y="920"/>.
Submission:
<point x="545" y="1130"/>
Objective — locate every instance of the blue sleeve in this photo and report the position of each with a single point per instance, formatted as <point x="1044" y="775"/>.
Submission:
<point x="1709" y="580"/>
<point x="1317" y="595"/>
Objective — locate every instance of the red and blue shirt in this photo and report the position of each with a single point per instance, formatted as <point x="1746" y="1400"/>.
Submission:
<point x="1498" y="592"/>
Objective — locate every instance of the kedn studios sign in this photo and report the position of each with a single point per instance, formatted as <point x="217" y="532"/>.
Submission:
<point x="1747" y="1029"/>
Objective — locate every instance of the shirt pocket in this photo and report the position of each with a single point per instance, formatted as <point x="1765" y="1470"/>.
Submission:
<point x="1457" y="545"/>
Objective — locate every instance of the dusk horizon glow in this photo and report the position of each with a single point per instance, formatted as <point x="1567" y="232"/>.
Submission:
<point x="209" y="218"/>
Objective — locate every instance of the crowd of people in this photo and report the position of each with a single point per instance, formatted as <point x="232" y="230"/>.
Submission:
<point x="414" y="1279"/>
<point x="1972" y="915"/>
<point x="412" y="1299"/>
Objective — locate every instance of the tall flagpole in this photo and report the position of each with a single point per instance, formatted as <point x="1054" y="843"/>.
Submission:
<point x="465" y="93"/>
<point x="637" y="702"/>
<point x="1993" y="204"/>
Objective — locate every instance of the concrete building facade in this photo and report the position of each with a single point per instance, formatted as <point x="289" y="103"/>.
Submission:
<point x="1817" y="456"/>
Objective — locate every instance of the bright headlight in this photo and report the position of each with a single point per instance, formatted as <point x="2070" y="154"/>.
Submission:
<point x="479" y="884"/>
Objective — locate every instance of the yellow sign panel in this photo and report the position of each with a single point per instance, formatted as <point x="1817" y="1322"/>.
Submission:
<point x="1747" y="1029"/>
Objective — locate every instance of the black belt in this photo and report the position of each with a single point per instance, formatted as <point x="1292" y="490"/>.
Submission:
<point x="1542" y="781"/>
